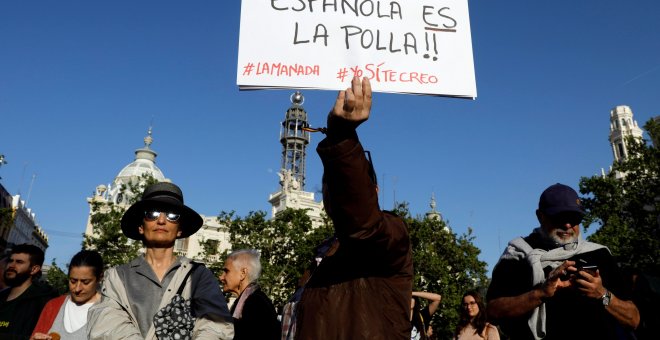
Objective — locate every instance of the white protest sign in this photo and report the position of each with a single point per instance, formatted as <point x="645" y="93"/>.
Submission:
<point x="405" y="46"/>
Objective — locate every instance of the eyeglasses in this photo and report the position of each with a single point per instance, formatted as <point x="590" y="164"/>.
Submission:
<point x="152" y="215"/>
<point x="468" y="304"/>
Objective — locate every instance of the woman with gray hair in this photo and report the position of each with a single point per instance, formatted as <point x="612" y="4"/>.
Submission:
<point x="253" y="312"/>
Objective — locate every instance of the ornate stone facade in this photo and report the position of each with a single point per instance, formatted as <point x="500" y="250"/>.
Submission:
<point x="118" y="193"/>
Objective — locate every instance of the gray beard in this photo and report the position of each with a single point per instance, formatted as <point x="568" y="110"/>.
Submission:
<point x="556" y="242"/>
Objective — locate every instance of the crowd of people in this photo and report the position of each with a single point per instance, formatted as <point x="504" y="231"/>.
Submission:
<point x="551" y="284"/>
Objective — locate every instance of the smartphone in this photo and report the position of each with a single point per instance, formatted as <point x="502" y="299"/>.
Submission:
<point x="591" y="269"/>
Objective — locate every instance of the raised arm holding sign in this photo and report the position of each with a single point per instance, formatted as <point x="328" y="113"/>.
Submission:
<point x="361" y="287"/>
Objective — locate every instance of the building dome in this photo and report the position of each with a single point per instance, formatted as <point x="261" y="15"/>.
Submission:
<point x="144" y="163"/>
<point x="141" y="167"/>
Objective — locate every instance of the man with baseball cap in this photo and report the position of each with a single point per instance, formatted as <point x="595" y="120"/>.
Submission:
<point x="553" y="284"/>
<point x="134" y="293"/>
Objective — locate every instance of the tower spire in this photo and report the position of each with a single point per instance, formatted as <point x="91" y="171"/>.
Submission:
<point x="622" y="125"/>
<point x="294" y="144"/>
<point x="294" y="141"/>
<point x="433" y="214"/>
<point x="148" y="139"/>
<point x="146" y="152"/>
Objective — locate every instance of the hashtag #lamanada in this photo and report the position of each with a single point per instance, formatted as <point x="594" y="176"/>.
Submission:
<point x="279" y="69"/>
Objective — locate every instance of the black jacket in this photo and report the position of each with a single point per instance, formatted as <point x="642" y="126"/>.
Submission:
<point x="258" y="320"/>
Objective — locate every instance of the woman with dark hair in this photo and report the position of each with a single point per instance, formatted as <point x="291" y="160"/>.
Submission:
<point x="472" y="324"/>
<point x="420" y="318"/>
<point x="66" y="316"/>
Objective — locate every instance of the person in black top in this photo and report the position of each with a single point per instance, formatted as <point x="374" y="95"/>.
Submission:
<point x="253" y="312"/>
<point x="420" y="318"/>
<point x="21" y="303"/>
<point x="553" y="284"/>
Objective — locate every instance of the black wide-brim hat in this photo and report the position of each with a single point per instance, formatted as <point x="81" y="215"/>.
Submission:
<point x="168" y="197"/>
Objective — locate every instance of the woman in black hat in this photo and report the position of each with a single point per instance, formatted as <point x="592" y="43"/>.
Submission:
<point x="137" y="294"/>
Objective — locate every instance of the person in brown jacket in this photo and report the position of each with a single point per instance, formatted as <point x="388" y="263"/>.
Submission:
<point x="362" y="287"/>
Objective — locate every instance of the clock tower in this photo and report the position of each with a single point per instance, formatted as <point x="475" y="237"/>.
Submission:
<point x="294" y="140"/>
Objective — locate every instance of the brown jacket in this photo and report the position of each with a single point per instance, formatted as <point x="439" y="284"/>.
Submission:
<point x="362" y="290"/>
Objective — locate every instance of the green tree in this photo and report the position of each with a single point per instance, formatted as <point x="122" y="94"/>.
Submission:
<point x="209" y="255"/>
<point x="6" y="217"/>
<point x="107" y="238"/>
<point x="286" y="244"/>
<point x="627" y="208"/>
<point x="57" y="279"/>
<point x="444" y="263"/>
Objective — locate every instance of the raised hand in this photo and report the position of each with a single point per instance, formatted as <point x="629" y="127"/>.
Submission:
<point x="351" y="108"/>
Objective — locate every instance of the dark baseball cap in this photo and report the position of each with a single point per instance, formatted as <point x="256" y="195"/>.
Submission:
<point x="559" y="198"/>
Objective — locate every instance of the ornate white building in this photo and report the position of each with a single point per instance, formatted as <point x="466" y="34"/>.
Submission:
<point x="291" y="194"/>
<point x="21" y="225"/>
<point x="25" y="228"/>
<point x="622" y="125"/>
<point x="118" y="192"/>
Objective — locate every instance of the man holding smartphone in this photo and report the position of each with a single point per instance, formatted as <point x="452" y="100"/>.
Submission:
<point x="553" y="284"/>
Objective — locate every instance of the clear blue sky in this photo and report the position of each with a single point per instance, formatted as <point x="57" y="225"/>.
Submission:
<point x="81" y="81"/>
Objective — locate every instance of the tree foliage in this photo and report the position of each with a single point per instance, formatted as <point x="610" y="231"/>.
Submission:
<point x="57" y="279"/>
<point x="627" y="208"/>
<point x="445" y="263"/>
<point x="114" y="247"/>
<point x="209" y="256"/>
<point x="286" y="244"/>
<point x="6" y="217"/>
<point x="107" y="238"/>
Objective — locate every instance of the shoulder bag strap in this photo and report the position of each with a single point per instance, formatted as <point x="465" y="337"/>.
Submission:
<point x="185" y="279"/>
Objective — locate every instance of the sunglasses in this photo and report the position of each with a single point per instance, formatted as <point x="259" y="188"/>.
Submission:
<point x="152" y="215"/>
<point x="564" y="218"/>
